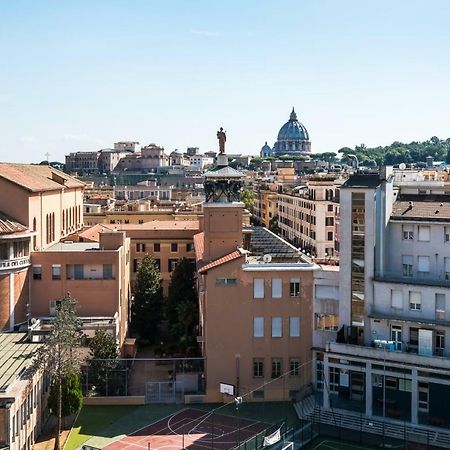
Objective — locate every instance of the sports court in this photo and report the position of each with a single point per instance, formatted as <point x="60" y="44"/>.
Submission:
<point x="193" y="429"/>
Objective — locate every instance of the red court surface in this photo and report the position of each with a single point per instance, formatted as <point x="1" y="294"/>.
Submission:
<point x="193" y="429"/>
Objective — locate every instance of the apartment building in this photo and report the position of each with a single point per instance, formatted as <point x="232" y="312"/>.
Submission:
<point x="148" y="190"/>
<point x="391" y="354"/>
<point x="265" y="207"/>
<point x="23" y="399"/>
<point x="89" y="271"/>
<point x="255" y="300"/>
<point x="307" y="213"/>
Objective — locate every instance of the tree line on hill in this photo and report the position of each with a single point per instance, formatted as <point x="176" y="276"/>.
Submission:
<point x="414" y="152"/>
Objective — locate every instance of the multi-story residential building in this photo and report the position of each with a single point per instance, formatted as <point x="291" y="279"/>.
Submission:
<point x="306" y="216"/>
<point x="200" y="161"/>
<point x="391" y="356"/>
<point x="265" y="199"/>
<point x="89" y="271"/>
<point x="166" y="240"/>
<point x="255" y="299"/>
<point x="82" y="162"/>
<point x="23" y="399"/>
<point x="148" y="190"/>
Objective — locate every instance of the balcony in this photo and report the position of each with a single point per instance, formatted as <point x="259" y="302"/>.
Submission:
<point x="418" y="278"/>
<point x="380" y="354"/>
<point x="16" y="263"/>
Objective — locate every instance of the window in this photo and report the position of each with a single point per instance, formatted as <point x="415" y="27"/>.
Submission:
<point x="158" y="263"/>
<point x="396" y="299"/>
<point x="447" y="234"/>
<point x="319" y="374"/>
<point x="141" y="221"/>
<point x="330" y="236"/>
<point x="407" y="265"/>
<point x="423" y="264"/>
<point x="258" y="288"/>
<point x="334" y="379"/>
<point x="439" y="341"/>
<point x="277" y="287"/>
<point x="447" y="268"/>
<point x="277" y="327"/>
<point x="440" y="306"/>
<point x="294" y="367"/>
<point x="413" y="340"/>
<point x="294" y="326"/>
<point x="408" y="233"/>
<point x="37" y="272"/>
<point x="258" y="367"/>
<point x="56" y="271"/>
<point x="329" y="221"/>
<point x="294" y="287"/>
<point x="391" y="383"/>
<point x="172" y="264"/>
<point x="424" y="233"/>
<point x="415" y="301"/>
<point x="226" y="281"/>
<point x="326" y="322"/>
<point x="140" y="247"/>
<point x="156" y="248"/>
<point x="173" y="247"/>
<point x="107" y="272"/>
<point x="276" y="367"/>
<point x="330" y="207"/>
<point x="258" y="326"/>
<point x="135" y="265"/>
<point x="190" y="247"/>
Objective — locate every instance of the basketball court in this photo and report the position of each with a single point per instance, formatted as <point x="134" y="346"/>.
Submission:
<point x="193" y="429"/>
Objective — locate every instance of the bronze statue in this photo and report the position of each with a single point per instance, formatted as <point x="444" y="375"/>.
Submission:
<point x="222" y="139"/>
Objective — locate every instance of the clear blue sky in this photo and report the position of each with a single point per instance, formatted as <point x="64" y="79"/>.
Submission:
<point x="82" y="74"/>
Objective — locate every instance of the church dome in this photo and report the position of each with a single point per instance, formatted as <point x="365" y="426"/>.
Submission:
<point x="265" y="151"/>
<point x="293" y="129"/>
<point x="293" y="138"/>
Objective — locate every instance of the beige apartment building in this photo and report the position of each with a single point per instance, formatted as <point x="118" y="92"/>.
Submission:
<point x="307" y="215"/>
<point x="255" y="300"/>
<point x="265" y="199"/>
<point x="166" y="240"/>
<point x="96" y="275"/>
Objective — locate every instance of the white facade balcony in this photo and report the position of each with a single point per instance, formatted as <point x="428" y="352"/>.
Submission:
<point x="16" y="263"/>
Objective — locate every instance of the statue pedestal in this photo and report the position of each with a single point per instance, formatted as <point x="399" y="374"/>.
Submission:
<point x="222" y="160"/>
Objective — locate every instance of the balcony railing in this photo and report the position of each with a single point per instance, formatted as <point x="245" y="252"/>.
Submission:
<point x="17" y="263"/>
<point x="418" y="278"/>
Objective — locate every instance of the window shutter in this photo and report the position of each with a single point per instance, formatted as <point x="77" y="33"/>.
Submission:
<point x="258" y="288"/>
<point x="424" y="233"/>
<point x="277" y="288"/>
<point x="424" y="263"/>
<point x="396" y="298"/>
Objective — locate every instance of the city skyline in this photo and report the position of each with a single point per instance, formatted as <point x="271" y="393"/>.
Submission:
<point x="80" y="78"/>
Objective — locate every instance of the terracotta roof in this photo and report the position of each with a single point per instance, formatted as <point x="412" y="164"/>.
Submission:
<point x="160" y="225"/>
<point x="199" y="245"/>
<point x="93" y="234"/>
<point x="424" y="207"/>
<point x="224" y="259"/>
<point x="8" y="225"/>
<point x="37" y="178"/>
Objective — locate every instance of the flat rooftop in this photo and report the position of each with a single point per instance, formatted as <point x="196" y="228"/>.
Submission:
<point x="16" y="354"/>
<point x="73" y="247"/>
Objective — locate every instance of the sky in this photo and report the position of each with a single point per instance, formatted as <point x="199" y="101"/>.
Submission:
<point x="80" y="75"/>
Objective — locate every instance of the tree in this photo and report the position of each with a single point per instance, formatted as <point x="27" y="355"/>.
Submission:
<point x="58" y="354"/>
<point x="105" y="354"/>
<point x="247" y="198"/>
<point x="182" y="302"/>
<point x="72" y="396"/>
<point x="146" y="310"/>
<point x="273" y="225"/>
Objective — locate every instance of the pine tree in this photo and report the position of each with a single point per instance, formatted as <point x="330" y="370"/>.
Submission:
<point x="146" y="310"/>
<point x="59" y="354"/>
<point x="182" y="302"/>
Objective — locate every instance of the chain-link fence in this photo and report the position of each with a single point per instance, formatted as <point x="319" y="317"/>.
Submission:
<point x="130" y="377"/>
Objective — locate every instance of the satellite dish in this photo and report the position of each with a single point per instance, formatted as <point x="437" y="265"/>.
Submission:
<point x="33" y="321"/>
<point x="267" y="258"/>
<point x="402" y="166"/>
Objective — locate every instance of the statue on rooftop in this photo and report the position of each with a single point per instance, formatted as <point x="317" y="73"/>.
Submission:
<point x="222" y="139"/>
